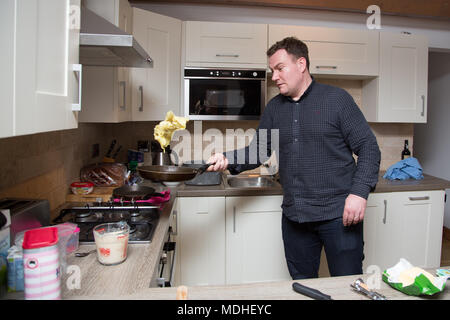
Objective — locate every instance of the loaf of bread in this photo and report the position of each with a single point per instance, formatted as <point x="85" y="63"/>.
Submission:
<point x="104" y="174"/>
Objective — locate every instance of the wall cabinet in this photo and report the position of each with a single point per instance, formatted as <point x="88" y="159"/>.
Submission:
<point x="40" y="78"/>
<point x="107" y="90"/>
<point x="219" y="44"/>
<point x="399" y="94"/>
<point x="156" y="90"/>
<point x="334" y="51"/>
<point x="393" y="67"/>
<point x="115" y="11"/>
<point x="404" y="225"/>
<point x="254" y="245"/>
<point x="106" y="95"/>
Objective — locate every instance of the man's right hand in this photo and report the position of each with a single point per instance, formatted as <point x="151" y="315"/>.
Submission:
<point x="220" y="160"/>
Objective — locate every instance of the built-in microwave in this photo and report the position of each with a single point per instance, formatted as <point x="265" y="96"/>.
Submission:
<point x="224" y="94"/>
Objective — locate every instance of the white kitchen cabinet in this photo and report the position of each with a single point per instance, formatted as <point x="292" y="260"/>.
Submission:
<point x="106" y="95"/>
<point x="404" y="225"/>
<point x="42" y="74"/>
<point x="156" y="90"/>
<point x="220" y="44"/>
<point x="334" y="51"/>
<point x="380" y="229"/>
<point x="107" y="90"/>
<point x="200" y="241"/>
<point x="229" y="240"/>
<point x="421" y="226"/>
<point x="254" y="245"/>
<point x="399" y="94"/>
<point x="118" y="12"/>
<point x="8" y="16"/>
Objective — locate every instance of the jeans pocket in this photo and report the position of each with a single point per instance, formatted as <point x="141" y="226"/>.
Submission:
<point x="343" y="238"/>
<point x="351" y="237"/>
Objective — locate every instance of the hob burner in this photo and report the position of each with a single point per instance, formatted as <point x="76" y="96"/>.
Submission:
<point x="142" y="219"/>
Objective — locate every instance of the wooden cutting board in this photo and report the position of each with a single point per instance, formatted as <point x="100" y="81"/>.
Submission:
<point x="104" y="193"/>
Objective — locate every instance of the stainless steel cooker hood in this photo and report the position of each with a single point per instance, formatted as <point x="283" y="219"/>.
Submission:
<point x="104" y="44"/>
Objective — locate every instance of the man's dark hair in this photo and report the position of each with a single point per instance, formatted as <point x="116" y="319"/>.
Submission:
<point x="293" y="46"/>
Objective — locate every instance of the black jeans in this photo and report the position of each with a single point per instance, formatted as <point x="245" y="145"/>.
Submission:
<point x="303" y="245"/>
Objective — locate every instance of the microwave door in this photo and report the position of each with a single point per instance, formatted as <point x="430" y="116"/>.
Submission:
<point x="219" y="98"/>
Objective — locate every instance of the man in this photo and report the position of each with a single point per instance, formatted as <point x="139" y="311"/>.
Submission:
<point x="325" y="192"/>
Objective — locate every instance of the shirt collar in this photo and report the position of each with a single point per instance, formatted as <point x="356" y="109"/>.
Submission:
<point x="307" y="91"/>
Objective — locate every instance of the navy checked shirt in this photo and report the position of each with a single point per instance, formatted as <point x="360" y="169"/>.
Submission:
<point x="317" y="136"/>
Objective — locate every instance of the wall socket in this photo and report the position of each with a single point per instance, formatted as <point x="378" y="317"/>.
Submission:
<point x="95" y="150"/>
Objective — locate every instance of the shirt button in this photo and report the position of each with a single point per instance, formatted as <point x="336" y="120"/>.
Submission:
<point x="295" y="120"/>
<point x="295" y="139"/>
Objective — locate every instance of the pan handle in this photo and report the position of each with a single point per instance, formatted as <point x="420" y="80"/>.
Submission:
<point x="151" y="195"/>
<point x="61" y="215"/>
<point x="204" y="167"/>
<point x="156" y="194"/>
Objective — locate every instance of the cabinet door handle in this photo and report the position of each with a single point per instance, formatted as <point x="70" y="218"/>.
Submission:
<point x="418" y="198"/>
<point x="234" y="219"/>
<point x="77" y="69"/>
<point x="123" y="84"/>
<point x="141" y="106"/>
<point x="326" y="67"/>
<point x="385" y="211"/>
<point x="227" y="55"/>
<point x="423" y="105"/>
<point x="175" y="214"/>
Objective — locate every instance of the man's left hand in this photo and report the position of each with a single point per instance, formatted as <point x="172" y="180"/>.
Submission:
<point x="354" y="209"/>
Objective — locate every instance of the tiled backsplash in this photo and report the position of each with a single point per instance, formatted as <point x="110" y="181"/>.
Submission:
<point x="43" y="165"/>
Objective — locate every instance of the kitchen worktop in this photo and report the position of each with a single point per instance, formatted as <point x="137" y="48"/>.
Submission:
<point x="137" y="272"/>
<point x="337" y="287"/>
<point x="427" y="183"/>
<point x="383" y="185"/>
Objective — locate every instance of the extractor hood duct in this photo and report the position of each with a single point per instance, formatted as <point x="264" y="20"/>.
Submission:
<point x="104" y="44"/>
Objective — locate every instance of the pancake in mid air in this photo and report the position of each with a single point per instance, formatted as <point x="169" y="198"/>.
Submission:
<point x="165" y="129"/>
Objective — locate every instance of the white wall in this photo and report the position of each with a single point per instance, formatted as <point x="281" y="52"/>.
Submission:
<point x="432" y="140"/>
<point x="437" y="31"/>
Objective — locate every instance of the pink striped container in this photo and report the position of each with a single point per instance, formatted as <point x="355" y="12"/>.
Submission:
<point x="41" y="264"/>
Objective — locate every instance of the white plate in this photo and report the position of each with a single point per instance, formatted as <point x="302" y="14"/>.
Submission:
<point x="171" y="183"/>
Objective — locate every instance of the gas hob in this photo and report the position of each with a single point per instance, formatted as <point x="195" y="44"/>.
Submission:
<point x="141" y="217"/>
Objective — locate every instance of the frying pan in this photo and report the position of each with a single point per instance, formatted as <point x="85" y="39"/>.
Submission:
<point x="135" y="192"/>
<point x="171" y="173"/>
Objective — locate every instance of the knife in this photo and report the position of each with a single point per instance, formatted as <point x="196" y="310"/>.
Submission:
<point x="116" y="152"/>
<point x="111" y="147"/>
<point x="310" y="292"/>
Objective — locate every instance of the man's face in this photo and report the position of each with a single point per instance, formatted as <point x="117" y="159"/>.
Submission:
<point x="287" y="73"/>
